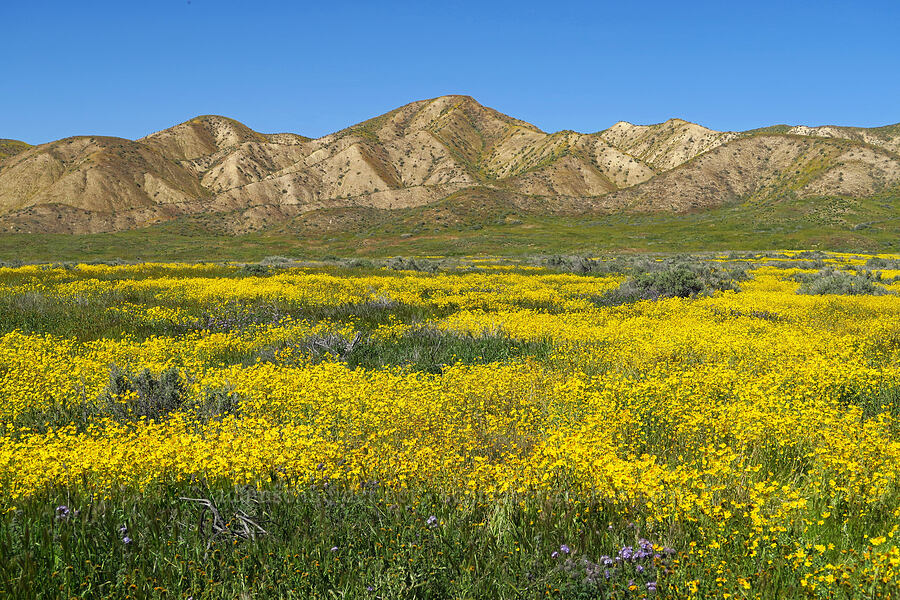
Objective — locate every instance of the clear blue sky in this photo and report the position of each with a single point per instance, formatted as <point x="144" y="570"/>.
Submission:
<point x="129" y="68"/>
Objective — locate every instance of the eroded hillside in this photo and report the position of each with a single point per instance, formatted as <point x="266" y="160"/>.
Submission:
<point x="420" y="154"/>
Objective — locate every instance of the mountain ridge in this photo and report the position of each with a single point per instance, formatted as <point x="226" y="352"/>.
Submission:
<point x="419" y="154"/>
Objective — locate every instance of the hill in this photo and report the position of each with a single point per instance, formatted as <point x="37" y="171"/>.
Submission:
<point x="11" y="147"/>
<point x="762" y="168"/>
<point x="429" y="157"/>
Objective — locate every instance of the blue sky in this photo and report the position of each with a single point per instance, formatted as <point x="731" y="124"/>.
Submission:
<point x="130" y="68"/>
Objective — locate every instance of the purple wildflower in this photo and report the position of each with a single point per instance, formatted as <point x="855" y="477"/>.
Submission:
<point x="126" y="540"/>
<point x="334" y="548"/>
<point x="564" y="549"/>
<point x="432" y="521"/>
<point x="651" y="586"/>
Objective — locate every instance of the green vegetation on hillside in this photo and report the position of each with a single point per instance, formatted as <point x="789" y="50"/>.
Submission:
<point x="10" y="147"/>
<point x="476" y="226"/>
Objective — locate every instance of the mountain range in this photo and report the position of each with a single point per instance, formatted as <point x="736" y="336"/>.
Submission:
<point x="430" y="152"/>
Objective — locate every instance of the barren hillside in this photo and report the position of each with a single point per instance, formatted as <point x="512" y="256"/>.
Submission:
<point x="885" y="138"/>
<point x="666" y="145"/>
<point x="420" y="154"/>
<point x="764" y="167"/>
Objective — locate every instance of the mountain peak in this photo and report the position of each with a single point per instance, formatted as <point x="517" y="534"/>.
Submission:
<point x="201" y="136"/>
<point x="437" y="114"/>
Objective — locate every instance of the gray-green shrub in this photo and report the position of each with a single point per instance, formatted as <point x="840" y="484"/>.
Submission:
<point x="831" y="281"/>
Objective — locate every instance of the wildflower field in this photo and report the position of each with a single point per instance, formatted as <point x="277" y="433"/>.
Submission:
<point x="707" y="427"/>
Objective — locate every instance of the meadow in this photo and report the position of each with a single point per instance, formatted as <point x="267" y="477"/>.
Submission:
<point x="465" y="228"/>
<point x="723" y="426"/>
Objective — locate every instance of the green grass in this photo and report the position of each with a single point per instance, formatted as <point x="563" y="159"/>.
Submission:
<point x="327" y="541"/>
<point x="471" y="227"/>
<point x="322" y="542"/>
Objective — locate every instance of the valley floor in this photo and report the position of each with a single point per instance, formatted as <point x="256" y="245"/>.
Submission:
<point x="721" y="426"/>
<point x="469" y="228"/>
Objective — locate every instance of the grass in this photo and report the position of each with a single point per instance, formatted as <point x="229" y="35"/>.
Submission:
<point x="33" y="312"/>
<point x="467" y="227"/>
<point x="327" y="541"/>
<point x="323" y="542"/>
